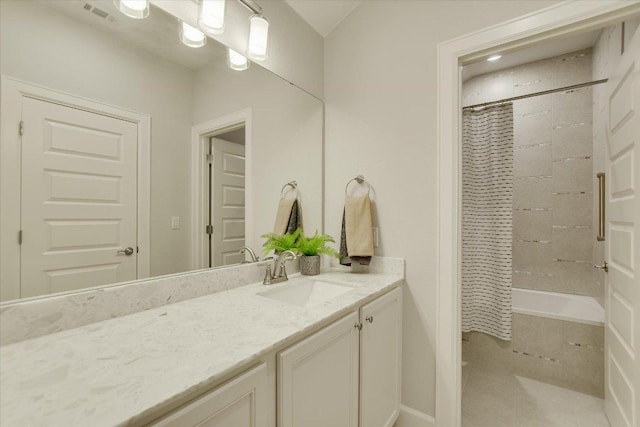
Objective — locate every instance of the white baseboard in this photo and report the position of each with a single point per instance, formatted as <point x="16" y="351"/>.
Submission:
<point x="409" y="417"/>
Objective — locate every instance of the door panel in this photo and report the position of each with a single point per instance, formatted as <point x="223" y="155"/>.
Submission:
<point x="380" y="360"/>
<point x="228" y="193"/>
<point x="622" y="365"/>
<point x="240" y="403"/>
<point x="318" y="378"/>
<point x="79" y="192"/>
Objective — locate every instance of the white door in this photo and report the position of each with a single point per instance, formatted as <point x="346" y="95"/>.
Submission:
<point x="227" y="195"/>
<point x="78" y="206"/>
<point x="242" y="402"/>
<point x="622" y="246"/>
<point x="318" y="378"/>
<point x="380" y="360"/>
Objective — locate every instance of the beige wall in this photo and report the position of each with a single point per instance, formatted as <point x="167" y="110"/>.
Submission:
<point x="380" y="94"/>
<point x="286" y="141"/>
<point x="42" y="46"/>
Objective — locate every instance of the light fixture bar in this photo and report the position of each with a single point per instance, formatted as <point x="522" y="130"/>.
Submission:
<point x="252" y="6"/>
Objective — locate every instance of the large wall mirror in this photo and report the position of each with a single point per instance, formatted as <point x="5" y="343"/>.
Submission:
<point x="138" y="156"/>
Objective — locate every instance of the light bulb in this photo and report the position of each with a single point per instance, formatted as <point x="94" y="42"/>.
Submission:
<point x="258" y="37"/>
<point x="211" y="19"/>
<point x="191" y="36"/>
<point x="137" y="9"/>
<point x="494" y="58"/>
<point x="237" y="61"/>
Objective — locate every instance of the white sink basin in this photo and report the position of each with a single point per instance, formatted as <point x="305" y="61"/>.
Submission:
<point x="307" y="293"/>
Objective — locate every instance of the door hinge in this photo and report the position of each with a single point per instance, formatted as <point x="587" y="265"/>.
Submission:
<point x="20" y="237"/>
<point x="137" y="250"/>
<point x="21" y="128"/>
<point x="209" y="229"/>
<point x="209" y="158"/>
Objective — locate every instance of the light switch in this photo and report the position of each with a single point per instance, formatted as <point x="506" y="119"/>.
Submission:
<point x="175" y="222"/>
<point x="375" y="236"/>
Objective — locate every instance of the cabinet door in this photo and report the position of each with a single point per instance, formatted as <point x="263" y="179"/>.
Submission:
<point x="380" y="360"/>
<point x="240" y="403"/>
<point x="318" y="378"/>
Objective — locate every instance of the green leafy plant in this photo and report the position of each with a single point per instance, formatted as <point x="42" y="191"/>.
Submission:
<point x="280" y="243"/>
<point x="316" y="245"/>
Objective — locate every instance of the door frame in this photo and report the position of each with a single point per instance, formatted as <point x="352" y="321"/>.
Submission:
<point x="200" y="133"/>
<point x="12" y="92"/>
<point x="559" y="20"/>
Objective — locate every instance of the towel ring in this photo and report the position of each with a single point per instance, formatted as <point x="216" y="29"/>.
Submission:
<point x="292" y="184"/>
<point x="360" y="180"/>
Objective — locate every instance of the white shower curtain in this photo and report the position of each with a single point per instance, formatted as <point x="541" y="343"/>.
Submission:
<point x="487" y="198"/>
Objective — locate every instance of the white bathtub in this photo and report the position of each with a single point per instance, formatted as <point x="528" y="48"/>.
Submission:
<point x="574" y="308"/>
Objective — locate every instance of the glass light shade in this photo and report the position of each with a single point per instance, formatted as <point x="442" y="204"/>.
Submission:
<point x="211" y="19"/>
<point x="237" y="61"/>
<point x="137" y="9"/>
<point x="191" y="36"/>
<point x="258" y="37"/>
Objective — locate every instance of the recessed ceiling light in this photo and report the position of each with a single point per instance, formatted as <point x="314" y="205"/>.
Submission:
<point x="494" y="58"/>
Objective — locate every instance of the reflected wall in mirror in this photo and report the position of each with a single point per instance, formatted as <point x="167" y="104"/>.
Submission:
<point x="119" y="119"/>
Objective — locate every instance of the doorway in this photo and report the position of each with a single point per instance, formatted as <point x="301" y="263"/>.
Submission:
<point x="557" y="21"/>
<point x="226" y="197"/>
<point x="221" y="205"/>
<point x="86" y="220"/>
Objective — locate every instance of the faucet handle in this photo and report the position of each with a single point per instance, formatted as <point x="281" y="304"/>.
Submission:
<point x="267" y="276"/>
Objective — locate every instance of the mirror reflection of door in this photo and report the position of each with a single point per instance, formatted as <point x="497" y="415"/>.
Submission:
<point x="226" y="230"/>
<point x="79" y="199"/>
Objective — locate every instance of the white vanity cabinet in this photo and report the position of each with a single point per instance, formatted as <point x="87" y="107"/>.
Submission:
<point x="347" y="374"/>
<point x="242" y="402"/>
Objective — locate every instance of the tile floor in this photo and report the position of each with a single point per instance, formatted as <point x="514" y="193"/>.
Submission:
<point x="495" y="397"/>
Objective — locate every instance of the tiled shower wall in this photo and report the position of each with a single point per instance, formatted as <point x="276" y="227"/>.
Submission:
<point x="553" y="172"/>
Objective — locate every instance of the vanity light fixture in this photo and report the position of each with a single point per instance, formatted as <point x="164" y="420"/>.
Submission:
<point x="136" y="9"/>
<point x="191" y="36"/>
<point x="237" y="61"/>
<point x="211" y="18"/>
<point x="494" y="57"/>
<point x="258" y="37"/>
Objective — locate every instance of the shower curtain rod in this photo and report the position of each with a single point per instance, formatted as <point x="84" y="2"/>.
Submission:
<point x="544" y="92"/>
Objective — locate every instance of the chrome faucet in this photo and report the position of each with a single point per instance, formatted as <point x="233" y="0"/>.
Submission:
<point x="252" y="254"/>
<point x="279" y="273"/>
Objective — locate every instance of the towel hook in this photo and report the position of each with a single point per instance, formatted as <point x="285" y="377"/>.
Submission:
<point x="292" y="184"/>
<point x="360" y="180"/>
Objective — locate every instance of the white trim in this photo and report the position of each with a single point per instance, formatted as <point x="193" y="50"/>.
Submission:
<point x="410" y="417"/>
<point x="198" y="182"/>
<point x="12" y="92"/>
<point x="561" y="19"/>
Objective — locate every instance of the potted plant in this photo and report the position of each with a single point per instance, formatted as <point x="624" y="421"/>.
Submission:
<point x="280" y="243"/>
<point x="310" y="249"/>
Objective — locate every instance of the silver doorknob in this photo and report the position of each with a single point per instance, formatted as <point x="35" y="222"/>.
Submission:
<point x="127" y="251"/>
<point x="604" y="266"/>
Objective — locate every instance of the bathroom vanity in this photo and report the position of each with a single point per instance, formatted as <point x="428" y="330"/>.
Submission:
<point x="321" y="350"/>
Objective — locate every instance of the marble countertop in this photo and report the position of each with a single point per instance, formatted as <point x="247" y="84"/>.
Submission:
<point x="124" y="371"/>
